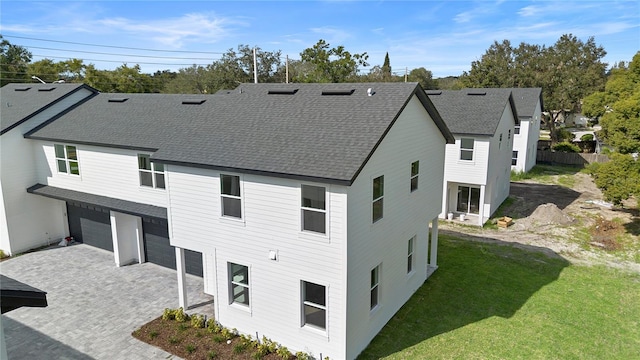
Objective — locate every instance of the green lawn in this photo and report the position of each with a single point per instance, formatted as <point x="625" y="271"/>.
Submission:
<point x="499" y="302"/>
<point x="549" y="174"/>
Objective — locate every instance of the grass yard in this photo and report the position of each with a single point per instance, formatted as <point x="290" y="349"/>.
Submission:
<point x="500" y="302"/>
<point x="545" y="174"/>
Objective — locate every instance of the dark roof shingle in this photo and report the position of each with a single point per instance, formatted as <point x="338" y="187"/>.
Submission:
<point x="303" y="134"/>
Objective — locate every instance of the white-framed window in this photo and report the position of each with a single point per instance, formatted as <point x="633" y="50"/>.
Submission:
<point x="314" y="209"/>
<point x="314" y="305"/>
<point x="67" y="159"/>
<point x="378" y="198"/>
<point x="375" y="287"/>
<point x="410" y="245"/>
<point x="415" y="170"/>
<point x="230" y="196"/>
<point x="466" y="149"/>
<point x="238" y="284"/>
<point x="514" y="158"/>
<point x="151" y="174"/>
<point x="516" y="129"/>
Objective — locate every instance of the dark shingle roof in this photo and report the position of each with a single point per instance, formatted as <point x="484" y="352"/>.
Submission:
<point x="472" y="111"/>
<point x="303" y="135"/>
<point x="15" y="294"/>
<point x="124" y="206"/>
<point x="23" y="101"/>
<point x="526" y="100"/>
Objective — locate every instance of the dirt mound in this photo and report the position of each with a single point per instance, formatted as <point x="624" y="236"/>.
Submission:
<point x="547" y="214"/>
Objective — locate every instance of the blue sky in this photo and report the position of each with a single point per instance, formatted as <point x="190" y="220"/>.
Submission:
<point x="441" y="36"/>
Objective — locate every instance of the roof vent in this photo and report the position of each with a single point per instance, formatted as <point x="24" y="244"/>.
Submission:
<point x="193" y="101"/>
<point x="118" y="100"/>
<point x="47" y="88"/>
<point x="338" y="92"/>
<point x="282" y="91"/>
<point x="22" y="89"/>
<point x="433" y="92"/>
<point x="476" y="92"/>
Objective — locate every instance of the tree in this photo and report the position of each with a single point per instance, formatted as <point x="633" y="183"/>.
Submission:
<point x="45" y="69"/>
<point x="324" y="64"/>
<point x="567" y="72"/>
<point x="424" y="77"/>
<point x="619" y="179"/>
<point x="386" y="68"/>
<point x="13" y="63"/>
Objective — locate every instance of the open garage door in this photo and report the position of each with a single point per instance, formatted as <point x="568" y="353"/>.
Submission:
<point x="90" y="225"/>
<point x="158" y="249"/>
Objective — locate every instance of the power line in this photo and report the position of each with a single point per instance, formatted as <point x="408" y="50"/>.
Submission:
<point x="116" y="54"/>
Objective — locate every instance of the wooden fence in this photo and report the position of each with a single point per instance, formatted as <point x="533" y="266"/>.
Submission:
<point x="575" y="159"/>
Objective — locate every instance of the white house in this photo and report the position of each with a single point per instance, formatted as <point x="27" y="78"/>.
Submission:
<point x="25" y="220"/>
<point x="305" y="207"/>
<point x="525" y="140"/>
<point x="478" y="166"/>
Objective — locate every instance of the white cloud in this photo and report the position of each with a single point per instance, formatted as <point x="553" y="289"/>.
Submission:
<point x="528" y="11"/>
<point x="463" y="17"/>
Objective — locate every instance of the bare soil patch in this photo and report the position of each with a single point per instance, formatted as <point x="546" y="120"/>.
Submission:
<point x="573" y="222"/>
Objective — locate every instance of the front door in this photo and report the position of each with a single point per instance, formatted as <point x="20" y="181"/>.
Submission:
<point x="468" y="200"/>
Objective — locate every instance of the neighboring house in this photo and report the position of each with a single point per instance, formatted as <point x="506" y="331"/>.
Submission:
<point x="25" y="219"/>
<point x="526" y="135"/>
<point x="306" y="207"/>
<point x="478" y="166"/>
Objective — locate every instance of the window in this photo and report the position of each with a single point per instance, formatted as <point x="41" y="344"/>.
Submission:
<point x="314" y="305"/>
<point x="516" y="130"/>
<point x="415" y="169"/>
<point x="514" y="158"/>
<point x="67" y="159"/>
<point x="466" y="149"/>
<point x="314" y="209"/>
<point x="375" y="280"/>
<point x="151" y="174"/>
<point x="230" y="194"/>
<point x="500" y="142"/>
<point x="378" y="197"/>
<point x="410" y="255"/>
<point x="238" y="284"/>
<point x="509" y="135"/>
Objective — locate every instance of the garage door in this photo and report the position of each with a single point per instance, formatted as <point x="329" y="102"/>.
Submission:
<point x="158" y="249"/>
<point x="90" y="224"/>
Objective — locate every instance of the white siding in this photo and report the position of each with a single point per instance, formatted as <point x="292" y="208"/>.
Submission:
<point x="490" y="169"/>
<point x="28" y="220"/>
<point x="271" y="221"/>
<point x="103" y="171"/>
<point x="526" y="143"/>
<point x="406" y="214"/>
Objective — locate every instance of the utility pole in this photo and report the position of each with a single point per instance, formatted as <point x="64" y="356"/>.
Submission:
<point x="406" y="72"/>
<point x="255" y="67"/>
<point x="286" y="66"/>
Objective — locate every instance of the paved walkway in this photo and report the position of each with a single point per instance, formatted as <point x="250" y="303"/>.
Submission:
<point x="93" y="305"/>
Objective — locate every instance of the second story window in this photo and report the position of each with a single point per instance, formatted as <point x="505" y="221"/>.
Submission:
<point x="516" y="130"/>
<point x="67" y="159"/>
<point x="230" y="196"/>
<point x="314" y="209"/>
<point x="415" y="169"/>
<point x="378" y="197"/>
<point x="466" y="149"/>
<point x="151" y="174"/>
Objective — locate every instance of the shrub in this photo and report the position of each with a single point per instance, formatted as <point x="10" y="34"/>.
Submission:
<point x="218" y="338"/>
<point x="168" y="314"/>
<point x="240" y="347"/>
<point x="566" y="147"/>
<point x="2" y="254"/>
<point x="213" y="326"/>
<point x="153" y="334"/>
<point x="212" y="354"/>
<point x="174" y="340"/>
<point x="586" y="137"/>
<point x="181" y="316"/>
<point x="565" y="135"/>
<point x="197" y="321"/>
<point x="228" y="334"/>
<point x="283" y="352"/>
<point x="183" y="327"/>
<point x="303" y="356"/>
<point x="190" y="348"/>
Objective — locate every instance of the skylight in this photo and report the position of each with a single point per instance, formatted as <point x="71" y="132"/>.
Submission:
<point x="193" y="101"/>
<point x="47" y="88"/>
<point x="282" y="91"/>
<point x="118" y="100"/>
<point x="338" y="92"/>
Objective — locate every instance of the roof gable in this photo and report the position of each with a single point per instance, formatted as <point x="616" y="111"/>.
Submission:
<point x="287" y="133"/>
<point x="20" y="102"/>
<point x="526" y="100"/>
<point x="472" y="111"/>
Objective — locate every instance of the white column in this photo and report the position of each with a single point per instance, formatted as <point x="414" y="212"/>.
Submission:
<point x="433" y="261"/>
<point x="114" y="238"/>
<point x="182" y="281"/>
<point x="140" y="240"/>
<point x="482" y="202"/>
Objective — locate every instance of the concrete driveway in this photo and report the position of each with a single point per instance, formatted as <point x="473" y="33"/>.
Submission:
<point x="93" y="305"/>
